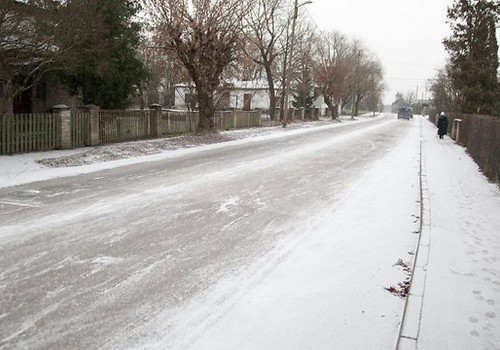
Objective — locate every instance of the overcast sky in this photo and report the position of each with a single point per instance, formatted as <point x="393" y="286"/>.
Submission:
<point x="406" y="35"/>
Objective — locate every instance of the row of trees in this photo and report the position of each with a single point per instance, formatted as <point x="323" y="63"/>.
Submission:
<point x="224" y="39"/>
<point x="95" y="48"/>
<point x="469" y="82"/>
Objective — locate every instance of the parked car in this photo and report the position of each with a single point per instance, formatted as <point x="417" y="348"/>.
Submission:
<point x="405" y="113"/>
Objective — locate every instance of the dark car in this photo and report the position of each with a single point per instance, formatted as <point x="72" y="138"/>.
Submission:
<point x="405" y="113"/>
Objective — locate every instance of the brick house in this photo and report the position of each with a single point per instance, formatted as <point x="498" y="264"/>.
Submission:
<point x="19" y="63"/>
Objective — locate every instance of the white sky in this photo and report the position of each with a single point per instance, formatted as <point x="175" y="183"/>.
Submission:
<point x="406" y="35"/>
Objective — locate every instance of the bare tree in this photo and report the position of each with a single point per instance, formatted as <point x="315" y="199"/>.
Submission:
<point x="375" y="87"/>
<point x="302" y="66"/>
<point x="206" y="36"/>
<point x="444" y="95"/>
<point x="165" y="72"/>
<point x="369" y="82"/>
<point x="288" y="67"/>
<point x="333" y="69"/>
<point x="265" y="27"/>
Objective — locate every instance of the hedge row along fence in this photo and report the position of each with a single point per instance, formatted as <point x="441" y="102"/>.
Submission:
<point x="480" y="135"/>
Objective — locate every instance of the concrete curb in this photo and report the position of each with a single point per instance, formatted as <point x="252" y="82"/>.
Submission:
<point x="412" y="311"/>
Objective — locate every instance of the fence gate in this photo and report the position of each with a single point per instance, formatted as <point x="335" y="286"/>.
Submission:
<point x="119" y="126"/>
<point x="80" y="129"/>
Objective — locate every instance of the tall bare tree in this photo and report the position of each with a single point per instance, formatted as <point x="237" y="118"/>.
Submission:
<point x="374" y="86"/>
<point x="444" y="94"/>
<point x="206" y="36"/>
<point x="333" y="69"/>
<point x="302" y="66"/>
<point x="265" y="27"/>
<point x="368" y="80"/>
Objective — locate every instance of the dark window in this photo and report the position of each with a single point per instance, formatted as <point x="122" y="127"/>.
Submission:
<point x="247" y="102"/>
<point x="41" y="91"/>
<point x="2" y="88"/>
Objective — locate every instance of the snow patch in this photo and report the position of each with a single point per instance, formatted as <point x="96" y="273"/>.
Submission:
<point x="228" y="204"/>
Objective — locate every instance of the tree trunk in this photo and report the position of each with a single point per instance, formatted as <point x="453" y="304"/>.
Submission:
<point x="332" y="107"/>
<point x="335" y="111"/>
<point x="282" y="99"/>
<point x="206" y="111"/>
<point x="272" y="93"/>
<point x="356" y="104"/>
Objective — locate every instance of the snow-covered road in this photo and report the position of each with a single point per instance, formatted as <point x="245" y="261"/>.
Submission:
<point x="283" y="243"/>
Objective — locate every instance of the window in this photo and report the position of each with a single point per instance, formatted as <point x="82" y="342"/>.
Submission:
<point x="247" y="102"/>
<point x="41" y="91"/>
<point x="2" y="88"/>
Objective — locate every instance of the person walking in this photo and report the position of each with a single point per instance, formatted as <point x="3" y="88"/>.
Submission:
<point x="442" y="125"/>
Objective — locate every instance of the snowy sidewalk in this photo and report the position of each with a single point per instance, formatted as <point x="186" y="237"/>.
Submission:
<point x="454" y="302"/>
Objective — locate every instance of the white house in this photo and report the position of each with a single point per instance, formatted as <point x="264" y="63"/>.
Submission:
<point x="244" y="95"/>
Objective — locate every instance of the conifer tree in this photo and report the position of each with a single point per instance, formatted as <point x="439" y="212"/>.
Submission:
<point x="112" y="74"/>
<point x="473" y="51"/>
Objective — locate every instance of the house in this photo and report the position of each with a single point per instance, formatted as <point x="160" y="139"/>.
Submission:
<point x="37" y="98"/>
<point x="24" y="88"/>
<point x="245" y="95"/>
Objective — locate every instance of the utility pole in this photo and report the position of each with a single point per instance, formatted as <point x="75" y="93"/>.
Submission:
<point x="289" y="66"/>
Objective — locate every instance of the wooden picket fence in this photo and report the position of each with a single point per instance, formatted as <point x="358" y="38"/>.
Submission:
<point x="21" y="133"/>
<point x="178" y="122"/>
<point x="123" y="125"/>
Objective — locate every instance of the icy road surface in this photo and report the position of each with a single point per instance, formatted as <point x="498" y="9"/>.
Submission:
<point x="151" y="255"/>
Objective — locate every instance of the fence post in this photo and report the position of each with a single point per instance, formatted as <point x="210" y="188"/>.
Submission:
<point x="458" y="123"/>
<point x="95" y="137"/>
<point x="454" y="130"/>
<point x="155" y="119"/>
<point x="169" y="127"/>
<point x="63" y="117"/>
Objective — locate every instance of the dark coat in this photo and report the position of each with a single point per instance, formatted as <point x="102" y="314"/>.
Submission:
<point x="442" y="125"/>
